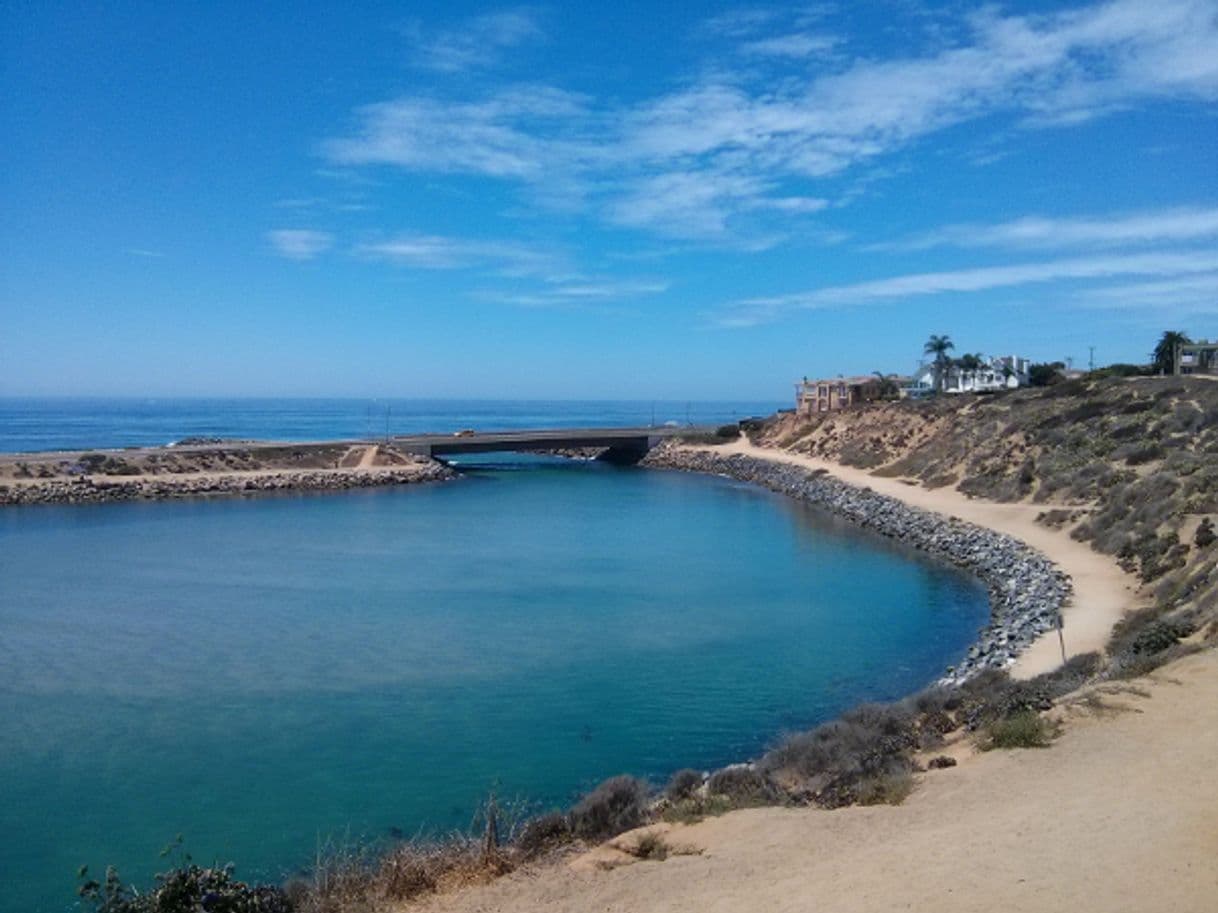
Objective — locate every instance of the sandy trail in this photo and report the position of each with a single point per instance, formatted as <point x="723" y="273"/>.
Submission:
<point x="1103" y="593"/>
<point x="1118" y="815"/>
<point x="369" y="456"/>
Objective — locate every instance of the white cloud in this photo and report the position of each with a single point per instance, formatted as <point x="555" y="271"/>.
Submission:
<point x="477" y="42"/>
<point x="1168" y="225"/>
<point x="799" y="45"/>
<point x="592" y="292"/>
<point x="300" y="243"/>
<point x="511" y="134"/>
<point x="748" y="129"/>
<point x="507" y="258"/>
<point x="1192" y="294"/>
<point x="753" y="311"/>
<point x="145" y="252"/>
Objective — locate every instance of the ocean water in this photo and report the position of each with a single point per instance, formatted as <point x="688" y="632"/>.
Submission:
<point x="264" y="675"/>
<point x="29" y="424"/>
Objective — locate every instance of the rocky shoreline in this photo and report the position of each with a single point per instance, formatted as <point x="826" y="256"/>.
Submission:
<point x="99" y="490"/>
<point x="1026" y="590"/>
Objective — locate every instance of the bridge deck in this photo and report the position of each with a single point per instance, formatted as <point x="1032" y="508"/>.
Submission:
<point x="640" y="439"/>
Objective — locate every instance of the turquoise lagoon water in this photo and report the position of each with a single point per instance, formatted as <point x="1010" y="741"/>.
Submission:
<point x="262" y="674"/>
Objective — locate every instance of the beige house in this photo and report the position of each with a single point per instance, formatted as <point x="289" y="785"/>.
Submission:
<point x="837" y="393"/>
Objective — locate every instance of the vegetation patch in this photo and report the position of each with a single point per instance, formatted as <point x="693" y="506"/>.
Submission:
<point x="618" y="805"/>
<point x="1025" y="729"/>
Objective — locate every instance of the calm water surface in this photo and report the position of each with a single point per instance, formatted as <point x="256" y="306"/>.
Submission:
<point x="261" y="674"/>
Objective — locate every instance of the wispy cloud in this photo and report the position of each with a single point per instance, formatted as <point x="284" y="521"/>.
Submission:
<point x="300" y="243"/>
<point x="520" y="132"/>
<point x="537" y="275"/>
<point x="1169" y="225"/>
<point x="145" y="252"/>
<point x="797" y="46"/>
<point x="753" y="311"/>
<point x="507" y="258"/>
<point x="591" y="293"/>
<point x="745" y="132"/>
<point x="476" y="43"/>
<point x="1196" y="294"/>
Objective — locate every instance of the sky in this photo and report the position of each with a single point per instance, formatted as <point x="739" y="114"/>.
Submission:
<point x="629" y="200"/>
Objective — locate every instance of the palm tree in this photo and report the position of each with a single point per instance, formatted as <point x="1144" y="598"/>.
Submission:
<point x="1164" y="356"/>
<point x="938" y="346"/>
<point x="888" y="384"/>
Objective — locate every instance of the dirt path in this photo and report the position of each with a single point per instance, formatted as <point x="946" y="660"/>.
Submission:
<point x="1120" y="815"/>
<point x="1103" y="593"/>
<point x="367" y="460"/>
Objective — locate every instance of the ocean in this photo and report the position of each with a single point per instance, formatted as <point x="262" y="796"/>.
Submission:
<point x="265" y="676"/>
<point x="31" y="424"/>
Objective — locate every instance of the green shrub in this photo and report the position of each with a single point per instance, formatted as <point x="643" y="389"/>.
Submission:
<point x="1204" y="536"/>
<point x="617" y="805"/>
<point x="1135" y="665"/>
<point x="1025" y="729"/>
<point x="889" y="789"/>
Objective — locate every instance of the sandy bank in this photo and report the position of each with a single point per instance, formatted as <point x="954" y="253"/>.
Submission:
<point x="1119" y="815"/>
<point x="1103" y="593"/>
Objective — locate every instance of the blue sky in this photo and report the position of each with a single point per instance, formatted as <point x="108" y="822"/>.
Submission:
<point x="687" y="201"/>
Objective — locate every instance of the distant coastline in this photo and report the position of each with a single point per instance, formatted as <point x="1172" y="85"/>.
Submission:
<point x="207" y="470"/>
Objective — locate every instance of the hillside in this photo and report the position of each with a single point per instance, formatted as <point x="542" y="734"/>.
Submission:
<point x="1127" y="465"/>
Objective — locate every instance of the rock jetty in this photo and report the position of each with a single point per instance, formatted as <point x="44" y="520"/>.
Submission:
<point x="1026" y="590"/>
<point x="96" y="489"/>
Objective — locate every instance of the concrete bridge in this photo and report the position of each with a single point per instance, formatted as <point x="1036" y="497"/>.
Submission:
<point x="622" y="445"/>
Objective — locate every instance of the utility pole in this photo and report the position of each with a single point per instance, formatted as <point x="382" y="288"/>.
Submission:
<point x="1090" y="358"/>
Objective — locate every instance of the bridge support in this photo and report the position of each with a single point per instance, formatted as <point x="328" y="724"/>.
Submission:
<point x="627" y="453"/>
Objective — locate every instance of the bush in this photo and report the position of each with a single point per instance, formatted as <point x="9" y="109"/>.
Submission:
<point x="835" y="758"/>
<point x="742" y="786"/>
<point x="993" y="695"/>
<point x="1159" y="635"/>
<point x="1070" y="676"/>
<point x="617" y="805"/>
<point x="649" y="846"/>
<point x="1135" y="665"/>
<point x="1025" y="729"/>
<point x="543" y="833"/>
<point x="1204" y="536"/>
<point x="186" y="889"/>
<point x="728" y="431"/>
<point x="683" y="785"/>
<point x="889" y="789"/>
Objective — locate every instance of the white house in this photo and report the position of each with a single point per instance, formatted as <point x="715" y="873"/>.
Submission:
<point x="1003" y="372"/>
